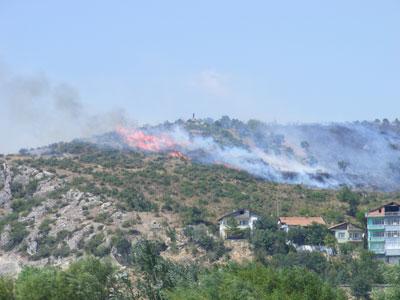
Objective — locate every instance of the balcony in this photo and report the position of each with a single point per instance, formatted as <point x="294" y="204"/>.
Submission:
<point x="392" y="252"/>
<point x="376" y="238"/>
<point x="376" y="247"/>
<point x="392" y="213"/>
<point x="376" y="226"/>
<point x="378" y="250"/>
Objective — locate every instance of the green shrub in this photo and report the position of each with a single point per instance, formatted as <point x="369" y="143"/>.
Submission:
<point x="96" y="247"/>
<point x="6" y="288"/>
<point x="44" y="227"/>
<point x="102" y="217"/>
<point x="135" y="200"/>
<point x="17" y="233"/>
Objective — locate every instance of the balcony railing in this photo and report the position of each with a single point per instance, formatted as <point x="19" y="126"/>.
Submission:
<point x="355" y="239"/>
<point x="378" y="250"/>
<point x="376" y="226"/>
<point x="376" y="238"/>
<point x="392" y="213"/>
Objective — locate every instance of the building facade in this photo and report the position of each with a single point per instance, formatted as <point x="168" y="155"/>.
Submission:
<point x="244" y="219"/>
<point x="347" y="232"/>
<point x="383" y="231"/>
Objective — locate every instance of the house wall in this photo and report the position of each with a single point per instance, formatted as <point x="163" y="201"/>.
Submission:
<point x="251" y="220"/>
<point x="343" y="239"/>
<point x="348" y="235"/>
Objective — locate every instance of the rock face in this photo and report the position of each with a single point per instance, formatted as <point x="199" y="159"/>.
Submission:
<point x="10" y="265"/>
<point x="5" y="236"/>
<point x="31" y="248"/>
<point x="47" y="184"/>
<point x="53" y="211"/>
<point x="5" y="193"/>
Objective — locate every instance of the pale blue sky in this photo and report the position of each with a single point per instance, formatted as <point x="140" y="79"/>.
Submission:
<point x="272" y="60"/>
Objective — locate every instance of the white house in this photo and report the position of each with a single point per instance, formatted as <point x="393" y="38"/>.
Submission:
<point x="244" y="218"/>
<point x="347" y="232"/>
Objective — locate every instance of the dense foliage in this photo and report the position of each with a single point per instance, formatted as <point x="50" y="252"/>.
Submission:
<point x="256" y="282"/>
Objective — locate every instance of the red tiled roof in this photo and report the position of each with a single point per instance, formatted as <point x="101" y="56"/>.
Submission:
<point x="301" y="221"/>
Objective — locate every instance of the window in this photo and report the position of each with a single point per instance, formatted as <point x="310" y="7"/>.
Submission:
<point x="378" y="234"/>
<point x="377" y="221"/>
<point x="243" y="222"/>
<point x="392" y="221"/>
<point x="341" y="235"/>
<point x="355" y="235"/>
<point x="392" y="234"/>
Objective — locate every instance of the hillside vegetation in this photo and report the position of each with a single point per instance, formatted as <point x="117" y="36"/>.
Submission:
<point x="84" y="200"/>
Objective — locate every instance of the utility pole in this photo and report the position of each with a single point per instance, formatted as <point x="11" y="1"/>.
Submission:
<point x="277" y="208"/>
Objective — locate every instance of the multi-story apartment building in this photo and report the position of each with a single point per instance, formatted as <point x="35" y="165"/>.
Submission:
<point x="383" y="225"/>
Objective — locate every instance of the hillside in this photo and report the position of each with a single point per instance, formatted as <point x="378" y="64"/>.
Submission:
<point x="363" y="155"/>
<point x="85" y="199"/>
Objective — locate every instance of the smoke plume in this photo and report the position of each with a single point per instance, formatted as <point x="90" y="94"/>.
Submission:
<point x="362" y="155"/>
<point x="34" y="111"/>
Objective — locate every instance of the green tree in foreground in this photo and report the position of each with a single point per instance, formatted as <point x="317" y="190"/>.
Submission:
<point x="86" y="279"/>
<point x="365" y="272"/>
<point x="256" y="282"/>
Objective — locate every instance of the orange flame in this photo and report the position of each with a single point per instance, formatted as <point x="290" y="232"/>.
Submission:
<point x="147" y="142"/>
<point x="177" y="154"/>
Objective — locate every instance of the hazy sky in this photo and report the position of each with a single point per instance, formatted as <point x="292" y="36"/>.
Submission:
<point x="272" y="60"/>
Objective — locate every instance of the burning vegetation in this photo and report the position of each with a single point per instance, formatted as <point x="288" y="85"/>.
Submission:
<point x="360" y="154"/>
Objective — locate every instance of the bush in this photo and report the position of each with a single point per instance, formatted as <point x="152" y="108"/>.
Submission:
<point x="313" y="235"/>
<point x="200" y="236"/>
<point x="123" y="247"/>
<point x="158" y="275"/>
<point x="17" y="234"/>
<point x="193" y="215"/>
<point x="256" y="282"/>
<point x="96" y="247"/>
<point x="85" y="279"/>
<point x="266" y="239"/>
<point x="6" y="288"/>
<point x="44" y="227"/>
<point x="36" y="284"/>
<point x="135" y="200"/>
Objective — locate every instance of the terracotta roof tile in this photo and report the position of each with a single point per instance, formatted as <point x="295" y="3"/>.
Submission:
<point x="301" y="221"/>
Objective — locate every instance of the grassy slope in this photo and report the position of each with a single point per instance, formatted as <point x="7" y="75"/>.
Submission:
<point x="175" y="184"/>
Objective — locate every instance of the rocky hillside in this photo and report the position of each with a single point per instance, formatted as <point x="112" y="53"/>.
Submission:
<point x="84" y="199"/>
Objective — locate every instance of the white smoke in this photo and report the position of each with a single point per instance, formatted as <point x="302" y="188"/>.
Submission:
<point x="362" y="155"/>
<point x="34" y="112"/>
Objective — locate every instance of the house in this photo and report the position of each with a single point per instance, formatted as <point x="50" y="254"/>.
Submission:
<point x="383" y="231"/>
<point x="285" y="223"/>
<point x="347" y="232"/>
<point x="242" y="219"/>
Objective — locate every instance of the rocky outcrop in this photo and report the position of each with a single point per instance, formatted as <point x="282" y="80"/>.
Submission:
<point x="5" y="193"/>
<point x="31" y="247"/>
<point x="10" y="264"/>
<point x="47" y="184"/>
<point x="5" y="236"/>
